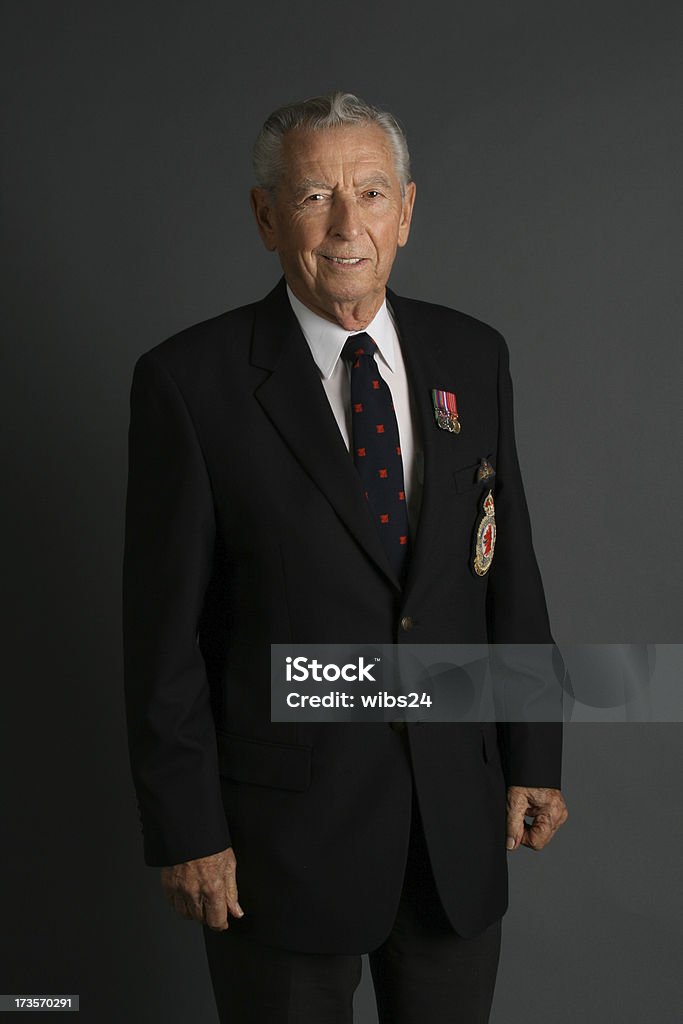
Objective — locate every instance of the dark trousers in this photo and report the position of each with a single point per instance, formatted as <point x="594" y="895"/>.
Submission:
<point x="424" y="973"/>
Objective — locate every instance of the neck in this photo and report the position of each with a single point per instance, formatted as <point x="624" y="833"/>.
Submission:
<point x="352" y="316"/>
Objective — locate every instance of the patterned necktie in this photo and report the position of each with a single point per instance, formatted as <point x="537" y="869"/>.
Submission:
<point x="377" y="449"/>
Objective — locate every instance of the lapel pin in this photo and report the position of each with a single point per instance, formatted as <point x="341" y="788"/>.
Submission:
<point x="445" y="410"/>
<point x="485" y="471"/>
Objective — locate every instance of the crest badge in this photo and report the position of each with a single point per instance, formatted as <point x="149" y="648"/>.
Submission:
<point x="485" y="540"/>
<point x="445" y="410"/>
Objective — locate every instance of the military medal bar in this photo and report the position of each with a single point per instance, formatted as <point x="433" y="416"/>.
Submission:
<point x="445" y="410"/>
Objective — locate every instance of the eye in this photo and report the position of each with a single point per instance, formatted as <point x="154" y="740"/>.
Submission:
<point x="372" y="193"/>
<point x="316" y="197"/>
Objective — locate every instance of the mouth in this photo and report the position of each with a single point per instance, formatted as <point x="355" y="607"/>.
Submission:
<point x="343" y="261"/>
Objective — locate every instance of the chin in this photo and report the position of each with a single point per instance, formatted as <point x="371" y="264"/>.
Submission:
<point x="354" y="292"/>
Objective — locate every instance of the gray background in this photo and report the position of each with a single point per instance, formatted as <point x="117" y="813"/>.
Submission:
<point x="547" y="156"/>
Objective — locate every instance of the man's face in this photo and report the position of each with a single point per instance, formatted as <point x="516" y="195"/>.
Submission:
<point x="337" y="219"/>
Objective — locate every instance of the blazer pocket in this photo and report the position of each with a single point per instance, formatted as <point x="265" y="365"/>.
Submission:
<point x="279" y="765"/>
<point x="467" y="477"/>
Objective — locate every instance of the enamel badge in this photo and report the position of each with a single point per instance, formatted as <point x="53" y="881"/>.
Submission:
<point x="485" y="540"/>
<point x="485" y="471"/>
<point x="445" y="410"/>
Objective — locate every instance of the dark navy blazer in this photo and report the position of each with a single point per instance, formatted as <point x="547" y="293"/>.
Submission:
<point x="246" y="525"/>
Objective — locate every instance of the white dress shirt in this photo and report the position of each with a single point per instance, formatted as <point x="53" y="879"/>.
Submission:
<point x="326" y="341"/>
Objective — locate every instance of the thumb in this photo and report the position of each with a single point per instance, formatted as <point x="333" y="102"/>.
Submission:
<point x="231" y="891"/>
<point x="515" y="826"/>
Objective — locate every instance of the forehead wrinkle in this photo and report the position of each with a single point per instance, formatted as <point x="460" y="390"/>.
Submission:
<point x="311" y="158"/>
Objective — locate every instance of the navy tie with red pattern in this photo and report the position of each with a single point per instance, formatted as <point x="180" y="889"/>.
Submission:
<point x="377" y="449"/>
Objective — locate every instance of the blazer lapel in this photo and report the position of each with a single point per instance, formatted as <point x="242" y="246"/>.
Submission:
<point x="293" y="398"/>
<point x="422" y="356"/>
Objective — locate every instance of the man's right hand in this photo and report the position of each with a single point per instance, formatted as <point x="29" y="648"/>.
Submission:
<point x="204" y="889"/>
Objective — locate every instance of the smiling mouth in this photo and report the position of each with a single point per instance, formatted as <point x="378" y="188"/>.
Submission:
<point x="343" y="261"/>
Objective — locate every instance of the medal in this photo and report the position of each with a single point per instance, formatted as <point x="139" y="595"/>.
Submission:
<point x="445" y="410"/>
<point x="485" y="540"/>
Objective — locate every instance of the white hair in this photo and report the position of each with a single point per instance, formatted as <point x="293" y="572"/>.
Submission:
<point x="317" y="114"/>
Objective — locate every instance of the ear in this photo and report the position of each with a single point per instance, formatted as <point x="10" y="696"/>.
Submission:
<point x="406" y="213"/>
<point x="262" y="205"/>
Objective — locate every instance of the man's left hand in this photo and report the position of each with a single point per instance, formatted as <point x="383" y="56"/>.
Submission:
<point x="545" y="806"/>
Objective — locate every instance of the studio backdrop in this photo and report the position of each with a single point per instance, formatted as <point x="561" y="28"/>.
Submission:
<point x="546" y="151"/>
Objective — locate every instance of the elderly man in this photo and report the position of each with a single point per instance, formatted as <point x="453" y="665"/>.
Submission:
<point x="331" y="464"/>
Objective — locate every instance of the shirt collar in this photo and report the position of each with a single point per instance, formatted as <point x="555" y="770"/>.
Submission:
<point x="326" y="339"/>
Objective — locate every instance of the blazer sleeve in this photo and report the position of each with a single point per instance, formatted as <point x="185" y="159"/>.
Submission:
<point x="169" y="542"/>
<point x="516" y="607"/>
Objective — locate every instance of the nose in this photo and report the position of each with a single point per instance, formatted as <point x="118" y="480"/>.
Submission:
<point x="345" y="221"/>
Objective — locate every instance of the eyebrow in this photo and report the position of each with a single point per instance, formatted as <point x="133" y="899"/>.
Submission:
<point x="306" y="184"/>
<point x="375" y="179"/>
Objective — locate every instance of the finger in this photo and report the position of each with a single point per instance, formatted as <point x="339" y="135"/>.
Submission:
<point x="231" y="890"/>
<point x="539" y="833"/>
<point x="216" y="915"/>
<point x="234" y="908"/>
<point x="233" y="905"/>
<point x="551" y="826"/>
<point x="515" y="827"/>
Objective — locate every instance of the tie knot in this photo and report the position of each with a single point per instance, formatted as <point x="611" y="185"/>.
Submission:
<point x="358" y="345"/>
